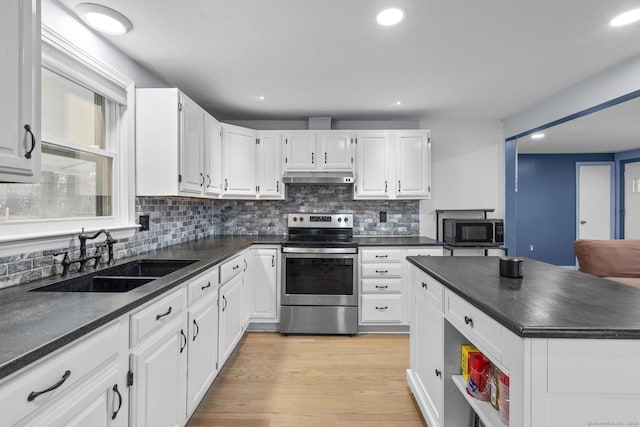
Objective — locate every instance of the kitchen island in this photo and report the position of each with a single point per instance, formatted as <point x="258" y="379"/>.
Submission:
<point x="570" y="342"/>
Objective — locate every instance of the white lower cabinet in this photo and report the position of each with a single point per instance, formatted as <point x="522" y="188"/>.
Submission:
<point x="203" y="349"/>
<point x="231" y="316"/>
<point x="159" y="368"/>
<point x="385" y="283"/>
<point x="81" y="384"/>
<point x="265" y="286"/>
<point x="426" y="355"/>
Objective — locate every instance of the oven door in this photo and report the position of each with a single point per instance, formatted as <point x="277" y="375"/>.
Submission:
<point x="319" y="278"/>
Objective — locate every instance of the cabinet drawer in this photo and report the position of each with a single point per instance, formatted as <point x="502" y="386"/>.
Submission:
<point x="381" y="255"/>
<point x="381" y="308"/>
<point x="484" y="332"/>
<point x="433" y="288"/>
<point x="381" y="270"/>
<point x="232" y="267"/>
<point x="381" y="286"/>
<point x="156" y="315"/>
<point x="79" y="360"/>
<point x="205" y="284"/>
<point x="427" y="251"/>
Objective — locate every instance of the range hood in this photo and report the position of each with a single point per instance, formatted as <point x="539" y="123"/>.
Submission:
<point x="345" y="177"/>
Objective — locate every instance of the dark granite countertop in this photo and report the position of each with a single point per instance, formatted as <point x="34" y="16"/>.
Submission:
<point x="33" y="324"/>
<point x="548" y="302"/>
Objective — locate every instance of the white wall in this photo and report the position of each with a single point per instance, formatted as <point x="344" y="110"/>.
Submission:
<point x="67" y="25"/>
<point x="467" y="168"/>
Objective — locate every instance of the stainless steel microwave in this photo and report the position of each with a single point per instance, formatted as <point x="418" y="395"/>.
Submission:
<point x="473" y="232"/>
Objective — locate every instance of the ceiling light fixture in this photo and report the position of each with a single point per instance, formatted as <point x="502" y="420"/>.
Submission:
<point x="398" y="103"/>
<point x="103" y="19"/>
<point x="259" y="97"/>
<point x="626" y="18"/>
<point x="390" y="16"/>
<point x="537" y="136"/>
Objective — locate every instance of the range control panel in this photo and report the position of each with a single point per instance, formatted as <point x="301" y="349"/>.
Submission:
<point x="299" y="220"/>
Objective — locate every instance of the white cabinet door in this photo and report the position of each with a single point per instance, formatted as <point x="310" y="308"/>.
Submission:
<point x="300" y="151"/>
<point x="265" y="295"/>
<point x="231" y="317"/>
<point x="159" y="367"/>
<point x="191" y="147"/>
<point x="427" y="358"/>
<point x="20" y="89"/>
<point x="412" y="165"/>
<point x="269" y="165"/>
<point x="213" y="156"/>
<point x="239" y="153"/>
<point x="96" y="402"/>
<point x="373" y="166"/>
<point x="335" y="152"/>
<point x="203" y="349"/>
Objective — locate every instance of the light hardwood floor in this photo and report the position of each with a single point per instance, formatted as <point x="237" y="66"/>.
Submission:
<point x="273" y="380"/>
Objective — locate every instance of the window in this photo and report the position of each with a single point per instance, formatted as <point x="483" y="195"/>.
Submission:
<point x="87" y="178"/>
<point x="77" y="170"/>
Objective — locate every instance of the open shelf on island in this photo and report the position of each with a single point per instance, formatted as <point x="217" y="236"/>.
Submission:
<point x="485" y="411"/>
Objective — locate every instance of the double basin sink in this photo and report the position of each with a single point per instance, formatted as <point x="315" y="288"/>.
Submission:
<point x="121" y="278"/>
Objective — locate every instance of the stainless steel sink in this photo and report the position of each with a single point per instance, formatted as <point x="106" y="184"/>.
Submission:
<point x="121" y="278"/>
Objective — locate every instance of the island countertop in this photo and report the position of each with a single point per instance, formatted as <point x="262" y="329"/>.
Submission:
<point x="547" y="302"/>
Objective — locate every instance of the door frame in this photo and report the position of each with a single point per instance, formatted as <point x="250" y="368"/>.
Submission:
<point x="623" y="164"/>
<point x="612" y="195"/>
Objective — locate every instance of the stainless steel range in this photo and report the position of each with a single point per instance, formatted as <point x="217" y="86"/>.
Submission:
<point x="319" y="275"/>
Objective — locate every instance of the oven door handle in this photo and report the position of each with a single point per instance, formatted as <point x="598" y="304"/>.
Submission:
<point x="296" y="250"/>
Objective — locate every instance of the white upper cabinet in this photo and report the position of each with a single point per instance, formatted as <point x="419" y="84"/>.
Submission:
<point x="269" y="165"/>
<point x="20" y="89"/>
<point x="372" y="170"/>
<point x="213" y="156"/>
<point x="335" y="150"/>
<point x="413" y="164"/>
<point x="178" y="146"/>
<point x="191" y="146"/>
<point x="239" y="161"/>
<point x="393" y="165"/>
<point x="318" y="151"/>
<point x="300" y="150"/>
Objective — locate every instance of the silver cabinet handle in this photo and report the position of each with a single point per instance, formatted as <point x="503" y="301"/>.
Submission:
<point x="35" y="394"/>
<point x="202" y="179"/>
<point x="424" y="285"/>
<point x="224" y="306"/>
<point x="226" y="184"/>
<point x="273" y="260"/>
<point x="382" y="308"/>
<point x="468" y="321"/>
<point x="196" y="329"/>
<point x="209" y="180"/>
<point x="246" y="265"/>
<point x="382" y="286"/>
<point x="382" y="256"/>
<point x="277" y="186"/>
<point x="325" y="158"/>
<point x="386" y="186"/>
<point x="312" y="158"/>
<point x="27" y="128"/>
<point x="382" y="271"/>
<point x="160" y="316"/>
<point x="399" y="187"/>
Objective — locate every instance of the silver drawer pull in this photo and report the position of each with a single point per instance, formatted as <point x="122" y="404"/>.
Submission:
<point x="382" y="256"/>
<point x="35" y="394"/>
<point x="160" y="316"/>
<point x="382" y="286"/>
<point x="424" y="285"/>
<point x="382" y="271"/>
<point x="468" y="321"/>
<point x="382" y="308"/>
<point x="236" y="267"/>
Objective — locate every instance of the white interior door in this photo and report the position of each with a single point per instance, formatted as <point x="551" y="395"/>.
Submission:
<point x="594" y="202"/>
<point x="632" y="200"/>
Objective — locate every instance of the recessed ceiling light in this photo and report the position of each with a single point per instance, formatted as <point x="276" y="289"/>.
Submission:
<point x="103" y="19"/>
<point x="537" y="135"/>
<point x="390" y="16"/>
<point x="397" y="103"/>
<point x="626" y="18"/>
<point x="259" y="97"/>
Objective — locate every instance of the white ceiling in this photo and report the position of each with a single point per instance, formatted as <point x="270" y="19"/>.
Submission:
<point x="449" y="58"/>
<point x="610" y="130"/>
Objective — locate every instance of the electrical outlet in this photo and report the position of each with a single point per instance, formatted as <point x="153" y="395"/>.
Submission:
<point x="144" y="222"/>
<point x="531" y="248"/>
<point x="383" y="216"/>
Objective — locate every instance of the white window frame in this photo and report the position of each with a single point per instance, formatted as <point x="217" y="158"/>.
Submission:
<point x="26" y="236"/>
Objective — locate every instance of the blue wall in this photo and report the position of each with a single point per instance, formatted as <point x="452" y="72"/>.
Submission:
<point x="546" y="205"/>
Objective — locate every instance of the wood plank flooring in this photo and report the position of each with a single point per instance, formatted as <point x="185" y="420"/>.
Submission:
<point x="342" y="381"/>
